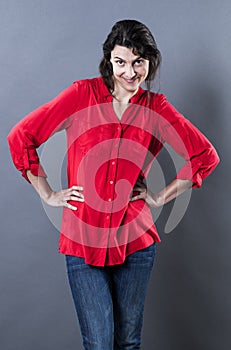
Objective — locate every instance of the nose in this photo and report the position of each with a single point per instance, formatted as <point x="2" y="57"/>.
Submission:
<point x="130" y="73"/>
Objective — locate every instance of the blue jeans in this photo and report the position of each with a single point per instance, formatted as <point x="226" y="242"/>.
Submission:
<point x="109" y="300"/>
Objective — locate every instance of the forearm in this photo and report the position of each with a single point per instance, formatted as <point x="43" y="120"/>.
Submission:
<point x="171" y="191"/>
<point x="41" y="185"/>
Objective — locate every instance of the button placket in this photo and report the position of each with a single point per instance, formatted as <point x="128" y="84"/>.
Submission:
<point x="113" y="168"/>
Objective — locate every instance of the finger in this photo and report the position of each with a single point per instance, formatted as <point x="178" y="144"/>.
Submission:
<point x="73" y="198"/>
<point x="139" y="188"/>
<point x="78" y="194"/>
<point x="69" y="206"/>
<point x="73" y="191"/>
<point x="74" y="195"/>
<point x="142" y="193"/>
<point x="71" y="194"/>
<point x="135" y="198"/>
<point x="79" y="188"/>
<point x="77" y="199"/>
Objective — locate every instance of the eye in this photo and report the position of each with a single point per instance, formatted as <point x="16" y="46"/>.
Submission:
<point x="120" y="63"/>
<point x="138" y="62"/>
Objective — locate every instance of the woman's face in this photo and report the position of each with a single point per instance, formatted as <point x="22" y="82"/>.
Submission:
<point x="129" y="70"/>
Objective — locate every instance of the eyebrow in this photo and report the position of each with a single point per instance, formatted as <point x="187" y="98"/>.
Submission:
<point x="119" y="58"/>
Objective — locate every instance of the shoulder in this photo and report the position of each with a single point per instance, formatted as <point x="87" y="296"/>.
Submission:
<point x="157" y="101"/>
<point x="94" y="90"/>
<point x="163" y="106"/>
<point x="88" y="84"/>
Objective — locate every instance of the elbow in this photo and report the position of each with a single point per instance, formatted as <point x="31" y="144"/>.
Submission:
<point x="214" y="157"/>
<point x="12" y="138"/>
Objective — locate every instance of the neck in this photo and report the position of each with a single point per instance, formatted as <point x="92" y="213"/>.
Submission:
<point x="123" y="96"/>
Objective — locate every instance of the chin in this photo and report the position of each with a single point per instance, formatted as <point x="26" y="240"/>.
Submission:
<point x="132" y="87"/>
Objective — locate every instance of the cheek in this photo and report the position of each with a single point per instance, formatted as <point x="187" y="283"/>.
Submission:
<point x="143" y="72"/>
<point x="116" y="70"/>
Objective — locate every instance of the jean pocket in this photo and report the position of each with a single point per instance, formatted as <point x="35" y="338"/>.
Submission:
<point x="143" y="255"/>
<point x="74" y="262"/>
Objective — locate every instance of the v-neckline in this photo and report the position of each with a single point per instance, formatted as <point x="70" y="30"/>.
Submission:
<point x="121" y="117"/>
<point x="108" y="98"/>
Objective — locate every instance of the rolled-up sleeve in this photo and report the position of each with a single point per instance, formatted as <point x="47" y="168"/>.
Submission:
<point x="200" y="155"/>
<point x="37" y="127"/>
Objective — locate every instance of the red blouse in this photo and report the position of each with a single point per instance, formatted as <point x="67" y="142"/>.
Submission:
<point x="107" y="157"/>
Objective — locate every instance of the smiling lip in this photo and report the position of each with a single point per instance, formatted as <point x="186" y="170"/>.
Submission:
<point x="130" y="81"/>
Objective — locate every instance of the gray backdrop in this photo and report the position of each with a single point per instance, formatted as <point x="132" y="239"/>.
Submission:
<point x="47" y="44"/>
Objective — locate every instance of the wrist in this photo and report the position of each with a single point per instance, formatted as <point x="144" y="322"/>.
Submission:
<point x="46" y="195"/>
<point x="159" y="199"/>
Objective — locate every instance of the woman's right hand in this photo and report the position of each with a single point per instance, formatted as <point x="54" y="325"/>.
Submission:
<point x="53" y="198"/>
<point x="61" y="198"/>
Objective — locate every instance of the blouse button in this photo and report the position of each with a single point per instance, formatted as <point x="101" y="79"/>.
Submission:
<point x="111" y="182"/>
<point x="113" y="162"/>
<point x="109" y="199"/>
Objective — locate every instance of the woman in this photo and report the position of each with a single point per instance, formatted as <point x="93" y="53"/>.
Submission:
<point x="115" y="129"/>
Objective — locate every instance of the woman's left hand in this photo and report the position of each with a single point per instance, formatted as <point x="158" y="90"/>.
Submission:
<point x="171" y="191"/>
<point x="151" y="199"/>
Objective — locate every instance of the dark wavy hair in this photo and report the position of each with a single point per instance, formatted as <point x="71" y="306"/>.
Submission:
<point x="133" y="35"/>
